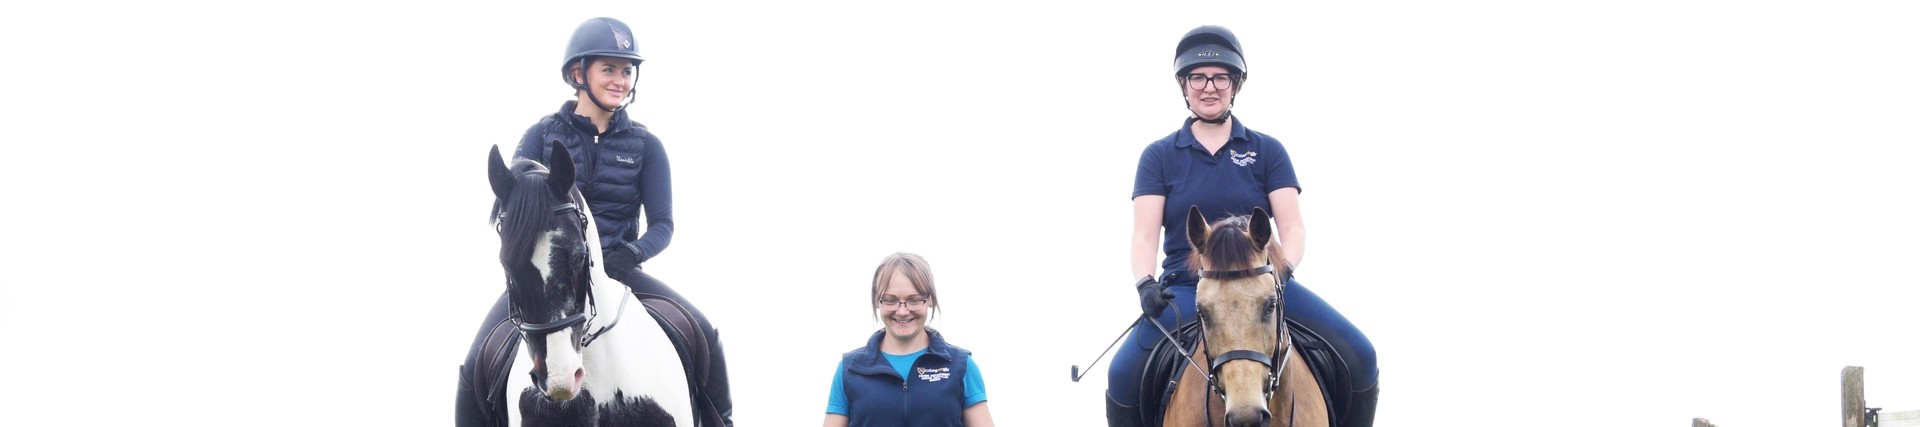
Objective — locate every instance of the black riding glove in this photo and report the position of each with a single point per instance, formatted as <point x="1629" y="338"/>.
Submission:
<point x="1153" y="297"/>
<point x="621" y="260"/>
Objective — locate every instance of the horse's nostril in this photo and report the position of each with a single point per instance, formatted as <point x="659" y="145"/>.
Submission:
<point x="1249" y="418"/>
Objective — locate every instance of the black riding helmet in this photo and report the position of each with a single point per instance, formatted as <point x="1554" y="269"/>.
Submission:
<point x="596" y="38"/>
<point x="1211" y="45"/>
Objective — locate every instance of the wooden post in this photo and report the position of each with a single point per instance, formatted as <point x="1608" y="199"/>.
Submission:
<point x="1853" y="396"/>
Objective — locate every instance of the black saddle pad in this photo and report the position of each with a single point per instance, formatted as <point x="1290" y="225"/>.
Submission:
<point x="1165" y="366"/>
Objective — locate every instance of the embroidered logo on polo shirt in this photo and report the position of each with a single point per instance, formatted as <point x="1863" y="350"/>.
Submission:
<point x="1242" y="159"/>
<point x="932" y="375"/>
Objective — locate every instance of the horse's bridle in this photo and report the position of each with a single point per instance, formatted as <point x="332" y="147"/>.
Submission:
<point x="1284" y="341"/>
<point x="584" y="317"/>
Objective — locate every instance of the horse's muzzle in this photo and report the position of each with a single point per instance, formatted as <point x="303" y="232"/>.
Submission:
<point x="1249" y="417"/>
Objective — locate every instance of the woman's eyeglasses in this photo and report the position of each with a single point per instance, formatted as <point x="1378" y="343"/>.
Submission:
<point x="1197" y="81"/>
<point x="911" y="304"/>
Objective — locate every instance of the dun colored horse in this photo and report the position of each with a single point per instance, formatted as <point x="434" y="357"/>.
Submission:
<point x="1255" y="378"/>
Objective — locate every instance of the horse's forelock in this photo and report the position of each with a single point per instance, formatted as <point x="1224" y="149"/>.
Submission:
<point x="1229" y="246"/>
<point x="526" y="214"/>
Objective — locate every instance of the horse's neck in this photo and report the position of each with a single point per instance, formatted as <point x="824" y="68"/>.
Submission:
<point x="610" y="297"/>
<point x="604" y="287"/>
<point x="610" y="300"/>
<point x="607" y="292"/>
<point x="635" y="356"/>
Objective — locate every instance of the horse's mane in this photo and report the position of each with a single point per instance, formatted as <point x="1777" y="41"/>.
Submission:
<point x="526" y="214"/>
<point x="1229" y="246"/>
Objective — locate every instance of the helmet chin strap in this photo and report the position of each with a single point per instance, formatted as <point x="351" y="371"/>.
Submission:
<point x="1222" y="119"/>
<point x="1224" y="115"/>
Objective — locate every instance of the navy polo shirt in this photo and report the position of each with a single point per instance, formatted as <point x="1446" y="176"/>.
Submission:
<point x="1228" y="183"/>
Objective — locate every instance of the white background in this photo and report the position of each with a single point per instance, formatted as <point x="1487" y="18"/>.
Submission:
<point x="1567" y="213"/>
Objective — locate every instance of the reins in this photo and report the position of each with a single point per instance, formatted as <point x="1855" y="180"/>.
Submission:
<point x="592" y="304"/>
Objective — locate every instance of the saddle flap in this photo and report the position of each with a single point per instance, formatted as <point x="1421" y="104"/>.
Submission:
<point x="687" y="338"/>
<point x="1163" y="369"/>
<point x="1326" y="366"/>
<point x="488" y="379"/>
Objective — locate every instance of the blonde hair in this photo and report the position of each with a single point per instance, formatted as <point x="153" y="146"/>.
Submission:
<point x="917" y="271"/>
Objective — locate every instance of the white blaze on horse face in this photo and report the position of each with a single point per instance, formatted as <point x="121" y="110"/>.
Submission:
<point x="542" y="252"/>
<point x="564" y="367"/>
<point x="565" y="371"/>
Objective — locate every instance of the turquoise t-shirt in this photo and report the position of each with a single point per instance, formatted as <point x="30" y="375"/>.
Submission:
<point x="976" y="386"/>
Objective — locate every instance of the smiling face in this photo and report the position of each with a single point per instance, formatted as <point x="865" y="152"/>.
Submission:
<point x="1211" y="100"/>
<point x="903" y="298"/>
<point x="608" y="79"/>
<point x="903" y="308"/>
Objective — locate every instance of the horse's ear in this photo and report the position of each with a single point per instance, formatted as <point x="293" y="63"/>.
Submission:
<point x="1262" y="228"/>
<point x="498" y="175"/>
<point x="1196" y="229"/>
<point x="560" y="169"/>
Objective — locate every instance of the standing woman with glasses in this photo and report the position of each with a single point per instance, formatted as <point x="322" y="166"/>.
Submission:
<point x="1215" y="162"/>
<point x="907" y="374"/>
<point x="624" y="173"/>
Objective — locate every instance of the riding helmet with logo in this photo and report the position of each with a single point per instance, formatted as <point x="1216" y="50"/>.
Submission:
<point x="1211" y="45"/>
<point x="1208" y="45"/>
<point x="598" y="37"/>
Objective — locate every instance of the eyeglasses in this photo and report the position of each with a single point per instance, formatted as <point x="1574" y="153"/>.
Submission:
<point x="894" y="304"/>
<point x="1197" y="81"/>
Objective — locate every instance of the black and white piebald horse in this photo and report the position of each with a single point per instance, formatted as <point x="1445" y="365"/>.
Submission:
<point x="597" y="357"/>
